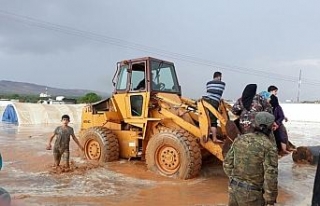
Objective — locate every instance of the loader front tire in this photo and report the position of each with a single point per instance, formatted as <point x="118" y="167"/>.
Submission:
<point x="100" y="144"/>
<point x="174" y="153"/>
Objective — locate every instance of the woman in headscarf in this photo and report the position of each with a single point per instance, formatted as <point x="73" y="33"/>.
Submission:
<point x="247" y="106"/>
<point x="280" y="133"/>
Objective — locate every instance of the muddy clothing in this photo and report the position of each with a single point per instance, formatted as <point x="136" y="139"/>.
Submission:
<point x="246" y="117"/>
<point x="61" y="145"/>
<point x="252" y="167"/>
<point x="215" y="90"/>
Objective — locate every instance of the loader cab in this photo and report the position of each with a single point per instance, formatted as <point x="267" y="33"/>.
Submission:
<point x="146" y="74"/>
<point x="138" y="79"/>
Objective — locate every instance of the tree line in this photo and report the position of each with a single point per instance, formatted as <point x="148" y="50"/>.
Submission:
<point x="31" y="98"/>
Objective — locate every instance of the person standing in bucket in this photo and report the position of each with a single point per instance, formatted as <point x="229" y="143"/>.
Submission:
<point x="61" y="145"/>
<point x="252" y="166"/>
<point x="215" y="90"/>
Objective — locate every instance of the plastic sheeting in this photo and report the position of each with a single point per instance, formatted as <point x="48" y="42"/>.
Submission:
<point x="9" y="115"/>
<point x="29" y="113"/>
<point x="3" y="105"/>
<point x="2" y="108"/>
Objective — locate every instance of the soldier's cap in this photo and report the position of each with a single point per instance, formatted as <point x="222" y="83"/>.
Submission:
<point x="264" y="118"/>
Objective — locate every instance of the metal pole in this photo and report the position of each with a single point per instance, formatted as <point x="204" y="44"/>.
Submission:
<point x="299" y="86"/>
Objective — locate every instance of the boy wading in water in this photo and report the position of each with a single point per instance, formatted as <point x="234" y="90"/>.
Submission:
<point x="61" y="145"/>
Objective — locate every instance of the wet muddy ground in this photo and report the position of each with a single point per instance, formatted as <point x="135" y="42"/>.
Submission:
<point x="30" y="179"/>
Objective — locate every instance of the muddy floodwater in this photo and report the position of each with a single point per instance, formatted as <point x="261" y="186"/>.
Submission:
<point x="28" y="176"/>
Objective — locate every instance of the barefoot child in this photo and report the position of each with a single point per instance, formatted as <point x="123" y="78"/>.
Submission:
<point x="61" y="145"/>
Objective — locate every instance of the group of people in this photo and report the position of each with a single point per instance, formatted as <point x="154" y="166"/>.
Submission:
<point x="246" y="107"/>
<point x="252" y="161"/>
<point x="250" y="103"/>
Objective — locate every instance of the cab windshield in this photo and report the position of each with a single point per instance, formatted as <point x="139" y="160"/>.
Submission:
<point x="164" y="77"/>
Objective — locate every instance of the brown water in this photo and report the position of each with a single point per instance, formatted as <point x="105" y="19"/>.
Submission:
<point x="28" y="176"/>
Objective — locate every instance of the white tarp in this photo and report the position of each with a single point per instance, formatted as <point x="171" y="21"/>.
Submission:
<point x="30" y="113"/>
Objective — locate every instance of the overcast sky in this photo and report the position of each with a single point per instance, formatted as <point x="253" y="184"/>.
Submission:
<point x="76" y="44"/>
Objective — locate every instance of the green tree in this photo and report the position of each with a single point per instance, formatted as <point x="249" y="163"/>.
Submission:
<point x="15" y="96"/>
<point x="90" y="98"/>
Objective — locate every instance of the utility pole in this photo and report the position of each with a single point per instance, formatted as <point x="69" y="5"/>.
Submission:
<point x="299" y="87"/>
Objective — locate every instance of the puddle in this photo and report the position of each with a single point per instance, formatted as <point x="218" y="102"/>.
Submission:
<point x="28" y="176"/>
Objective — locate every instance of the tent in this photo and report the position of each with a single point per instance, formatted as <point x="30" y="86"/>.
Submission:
<point x="30" y="113"/>
<point x="3" y="105"/>
<point x="9" y="115"/>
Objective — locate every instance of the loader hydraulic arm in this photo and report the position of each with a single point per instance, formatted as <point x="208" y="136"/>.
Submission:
<point x="202" y="131"/>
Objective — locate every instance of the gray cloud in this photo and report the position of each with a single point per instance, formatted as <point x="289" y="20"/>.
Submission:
<point x="76" y="44"/>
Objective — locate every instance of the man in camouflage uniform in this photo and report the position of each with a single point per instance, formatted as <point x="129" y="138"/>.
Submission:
<point x="252" y="166"/>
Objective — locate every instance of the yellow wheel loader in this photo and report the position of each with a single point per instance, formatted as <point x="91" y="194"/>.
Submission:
<point x="146" y="117"/>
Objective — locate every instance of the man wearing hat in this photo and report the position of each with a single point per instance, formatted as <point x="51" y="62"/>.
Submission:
<point x="252" y="166"/>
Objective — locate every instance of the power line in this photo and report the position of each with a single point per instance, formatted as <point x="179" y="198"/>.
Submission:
<point x="126" y="44"/>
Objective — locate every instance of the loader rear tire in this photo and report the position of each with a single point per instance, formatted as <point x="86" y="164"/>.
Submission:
<point x="100" y="144"/>
<point x="174" y="153"/>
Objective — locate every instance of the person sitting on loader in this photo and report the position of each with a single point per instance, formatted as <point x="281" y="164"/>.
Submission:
<point x="142" y="85"/>
<point x="265" y="95"/>
<point x="280" y="133"/>
<point x="215" y="90"/>
<point x="247" y="106"/>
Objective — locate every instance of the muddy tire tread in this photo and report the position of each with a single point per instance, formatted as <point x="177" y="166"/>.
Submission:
<point x="109" y="141"/>
<point x="191" y="153"/>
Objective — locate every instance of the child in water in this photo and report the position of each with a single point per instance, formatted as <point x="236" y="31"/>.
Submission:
<point x="61" y="145"/>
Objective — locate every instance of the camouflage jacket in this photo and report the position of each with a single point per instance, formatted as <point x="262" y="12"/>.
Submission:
<point x="246" y="118"/>
<point x="253" y="159"/>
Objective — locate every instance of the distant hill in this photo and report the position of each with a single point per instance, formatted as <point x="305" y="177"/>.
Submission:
<point x="23" y="88"/>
